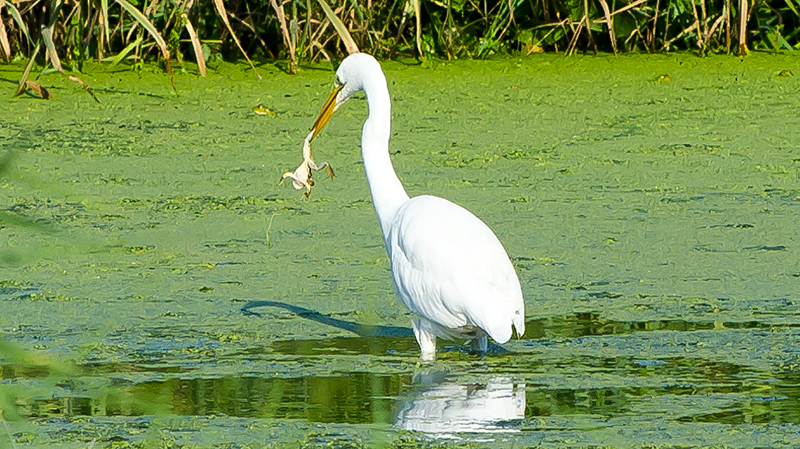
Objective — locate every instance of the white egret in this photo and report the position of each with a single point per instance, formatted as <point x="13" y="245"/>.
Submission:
<point x="448" y="266"/>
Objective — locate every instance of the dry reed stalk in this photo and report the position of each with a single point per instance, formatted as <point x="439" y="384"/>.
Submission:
<point x="418" y="30"/>
<point x="198" y="49"/>
<point x="316" y="36"/>
<point x="742" y="27"/>
<point x="17" y="18"/>
<point x="39" y="90"/>
<point x="104" y="33"/>
<point x="287" y="39"/>
<point x="704" y="18"/>
<point x="575" y="35"/>
<point x="47" y="37"/>
<point x="691" y="28"/>
<point x="221" y="11"/>
<point x="142" y="20"/>
<point x="85" y="86"/>
<point x="728" y="26"/>
<point x="322" y="51"/>
<point x="627" y="7"/>
<point x="146" y="24"/>
<point x="630" y="36"/>
<point x="52" y="55"/>
<point x="24" y="78"/>
<point x="698" y="32"/>
<point x="256" y="34"/>
<point x="145" y="13"/>
<point x="714" y="26"/>
<point x="344" y="35"/>
<point x="4" y="45"/>
<point x="655" y="24"/>
<point x="588" y="23"/>
<point x="609" y="24"/>
<point x="104" y="19"/>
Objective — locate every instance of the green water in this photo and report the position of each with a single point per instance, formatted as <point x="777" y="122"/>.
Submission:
<point x="172" y="294"/>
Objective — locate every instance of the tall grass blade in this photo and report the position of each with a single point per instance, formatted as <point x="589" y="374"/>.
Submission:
<point x="418" y="30"/>
<point x="146" y="24"/>
<point x="104" y="18"/>
<point x="344" y="35"/>
<point x="198" y="49"/>
<point x="784" y="43"/>
<point x="224" y="15"/>
<point x="791" y="5"/>
<point x="26" y="73"/>
<point x="287" y="39"/>
<point x="627" y="7"/>
<point x="609" y="24"/>
<point x="125" y="51"/>
<point x="742" y="27"/>
<point x="17" y="18"/>
<point x="52" y="55"/>
<point x="4" y="41"/>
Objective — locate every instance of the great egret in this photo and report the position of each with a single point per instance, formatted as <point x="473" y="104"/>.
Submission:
<point x="448" y="266"/>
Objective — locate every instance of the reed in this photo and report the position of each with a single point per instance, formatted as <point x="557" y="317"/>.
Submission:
<point x="130" y="31"/>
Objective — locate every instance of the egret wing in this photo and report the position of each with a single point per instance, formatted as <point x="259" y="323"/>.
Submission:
<point x="450" y="268"/>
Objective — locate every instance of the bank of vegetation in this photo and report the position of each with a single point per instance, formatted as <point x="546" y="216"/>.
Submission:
<point x="70" y="32"/>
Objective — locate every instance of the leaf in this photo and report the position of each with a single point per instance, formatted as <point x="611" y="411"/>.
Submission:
<point x="24" y="78"/>
<point x="287" y="39"/>
<point x="224" y="15"/>
<point x="344" y="35"/>
<point x="198" y="49"/>
<point x="39" y="90"/>
<point x="121" y="55"/>
<point x="609" y="24"/>
<point x="47" y="37"/>
<point x="784" y="43"/>
<point x="104" y="13"/>
<point x="146" y="24"/>
<point x="790" y="4"/>
<point x="17" y="18"/>
<point x="4" y="37"/>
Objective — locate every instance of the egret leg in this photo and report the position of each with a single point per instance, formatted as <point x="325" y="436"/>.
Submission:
<point x="479" y="344"/>
<point x="426" y="339"/>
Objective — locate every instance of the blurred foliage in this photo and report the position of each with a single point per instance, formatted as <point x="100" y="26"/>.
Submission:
<point x="208" y="30"/>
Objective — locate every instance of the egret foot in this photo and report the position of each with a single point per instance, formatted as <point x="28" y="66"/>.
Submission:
<point x="479" y="344"/>
<point x="426" y="339"/>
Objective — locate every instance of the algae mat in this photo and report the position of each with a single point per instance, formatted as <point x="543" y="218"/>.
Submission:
<point x="167" y="292"/>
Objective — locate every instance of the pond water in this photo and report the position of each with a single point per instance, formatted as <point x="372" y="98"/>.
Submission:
<point x="167" y="292"/>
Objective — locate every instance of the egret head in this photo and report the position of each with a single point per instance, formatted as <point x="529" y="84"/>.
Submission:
<point x="350" y="79"/>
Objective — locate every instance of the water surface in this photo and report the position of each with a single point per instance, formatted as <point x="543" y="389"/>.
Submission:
<point x="174" y="294"/>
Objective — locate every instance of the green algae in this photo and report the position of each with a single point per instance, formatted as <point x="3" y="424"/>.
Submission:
<point x="653" y="226"/>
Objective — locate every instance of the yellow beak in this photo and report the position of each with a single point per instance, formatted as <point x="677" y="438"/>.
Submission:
<point x="326" y="114"/>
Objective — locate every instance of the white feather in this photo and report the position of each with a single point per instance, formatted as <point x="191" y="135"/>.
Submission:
<point x="448" y="266"/>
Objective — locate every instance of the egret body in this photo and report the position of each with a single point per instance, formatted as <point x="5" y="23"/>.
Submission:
<point x="448" y="266"/>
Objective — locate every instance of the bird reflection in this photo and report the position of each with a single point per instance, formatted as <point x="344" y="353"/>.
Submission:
<point x="445" y="407"/>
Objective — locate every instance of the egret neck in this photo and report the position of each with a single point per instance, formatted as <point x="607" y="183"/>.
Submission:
<point x="387" y="192"/>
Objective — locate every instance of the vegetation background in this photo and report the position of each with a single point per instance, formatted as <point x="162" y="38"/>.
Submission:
<point x="173" y="31"/>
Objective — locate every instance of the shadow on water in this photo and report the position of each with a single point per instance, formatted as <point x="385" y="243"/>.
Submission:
<point x="575" y="325"/>
<point x="363" y="330"/>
